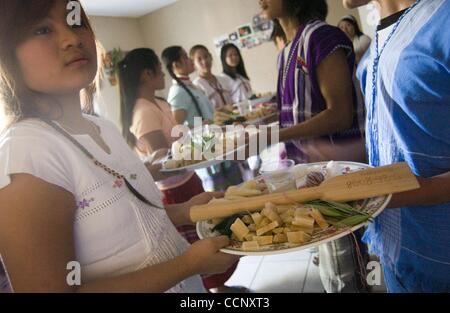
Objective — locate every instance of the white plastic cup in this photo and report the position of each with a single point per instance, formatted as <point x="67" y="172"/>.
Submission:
<point x="279" y="175"/>
<point x="243" y="107"/>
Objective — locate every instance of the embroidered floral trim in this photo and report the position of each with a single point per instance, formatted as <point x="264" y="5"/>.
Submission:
<point x="97" y="208"/>
<point x="118" y="183"/>
<point x="85" y="203"/>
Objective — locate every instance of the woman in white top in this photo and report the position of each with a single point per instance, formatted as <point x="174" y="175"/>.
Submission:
<point x="72" y="193"/>
<point x="216" y="88"/>
<point x="186" y="100"/>
<point x="361" y="42"/>
<point x="234" y="68"/>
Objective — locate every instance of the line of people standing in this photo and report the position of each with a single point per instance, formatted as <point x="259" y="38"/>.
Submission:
<point x="148" y="120"/>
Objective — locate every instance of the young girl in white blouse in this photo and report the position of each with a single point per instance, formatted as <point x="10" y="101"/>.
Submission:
<point x="361" y="42"/>
<point x="70" y="187"/>
<point x="217" y="88"/>
<point x="234" y="68"/>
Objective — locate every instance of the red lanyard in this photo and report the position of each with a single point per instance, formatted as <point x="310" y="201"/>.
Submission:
<point x="218" y="88"/>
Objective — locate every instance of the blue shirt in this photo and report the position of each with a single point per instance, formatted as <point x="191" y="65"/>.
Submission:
<point x="410" y="122"/>
<point x="179" y="99"/>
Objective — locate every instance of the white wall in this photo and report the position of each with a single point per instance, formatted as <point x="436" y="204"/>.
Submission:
<point x="2" y="117"/>
<point x="369" y="19"/>
<point x="191" y="22"/>
<point x="115" y="32"/>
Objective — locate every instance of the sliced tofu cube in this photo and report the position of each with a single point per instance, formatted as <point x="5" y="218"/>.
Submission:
<point x="270" y="212"/>
<point x="247" y="219"/>
<point x="294" y="228"/>
<point x="257" y="217"/>
<point x="284" y="215"/>
<point x="239" y="229"/>
<point x="284" y="208"/>
<point x="250" y="246"/>
<point x="302" y="211"/>
<point x="278" y="230"/>
<point x="264" y="222"/>
<point x="320" y="220"/>
<point x="280" y="238"/>
<point x="288" y="220"/>
<point x="303" y="221"/>
<point x="264" y="240"/>
<point x="250" y="236"/>
<point x="267" y="228"/>
<point x="252" y="227"/>
<point x="298" y="237"/>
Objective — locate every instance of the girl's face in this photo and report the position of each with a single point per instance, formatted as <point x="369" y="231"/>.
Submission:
<point x="158" y="76"/>
<point x="184" y="66"/>
<point x="203" y="61"/>
<point x="56" y="58"/>
<point x="232" y="58"/>
<point x="347" y="28"/>
<point x="272" y="9"/>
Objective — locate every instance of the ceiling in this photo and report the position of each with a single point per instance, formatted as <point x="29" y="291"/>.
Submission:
<point x="124" y="8"/>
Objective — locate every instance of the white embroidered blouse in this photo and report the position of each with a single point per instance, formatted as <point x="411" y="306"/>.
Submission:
<point x="114" y="232"/>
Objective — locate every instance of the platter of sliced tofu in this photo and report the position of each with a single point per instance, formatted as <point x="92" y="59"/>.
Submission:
<point x="277" y="229"/>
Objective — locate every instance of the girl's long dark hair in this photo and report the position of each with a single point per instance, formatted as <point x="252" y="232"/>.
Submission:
<point x="170" y="56"/>
<point x="352" y="20"/>
<point x="130" y="71"/>
<point x="240" y="69"/>
<point x="306" y="10"/>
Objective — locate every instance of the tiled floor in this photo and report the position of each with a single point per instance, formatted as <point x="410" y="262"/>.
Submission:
<point x="283" y="273"/>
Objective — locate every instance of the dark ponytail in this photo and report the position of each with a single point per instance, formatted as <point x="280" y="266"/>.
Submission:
<point x="169" y="56"/>
<point x="130" y="71"/>
<point x="240" y="69"/>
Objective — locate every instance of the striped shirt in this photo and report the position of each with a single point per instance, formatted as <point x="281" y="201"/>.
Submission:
<point x="300" y="97"/>
<point x="4" y="283"/>
<point x="408" y="121"/>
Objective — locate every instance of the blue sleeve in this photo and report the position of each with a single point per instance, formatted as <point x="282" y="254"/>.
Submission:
<point x="179" y="99"/>
<point x="421" y="90"/>
<point x="362" y="70"/>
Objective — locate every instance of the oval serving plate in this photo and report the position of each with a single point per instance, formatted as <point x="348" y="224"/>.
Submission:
<point x="372" y="206"/>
